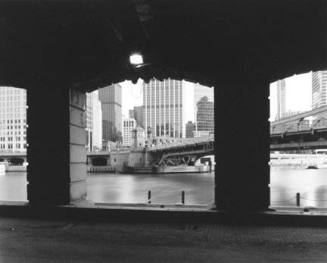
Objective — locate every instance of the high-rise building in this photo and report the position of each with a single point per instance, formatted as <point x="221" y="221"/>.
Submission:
<point x="111" y="101"/>
<point x="131" y="113"/>
<point x="319" y="83"/>
<point x="201" y="91"/>
<point x="89" y="120"/>
<point x="190" y="128"/>
<point x="12" y="119"/>
<point x="163" y="108"/>
<point x="139" y="115"/>
<point x="129" y="124"/>
<point x="281" y="98"/>
<point x="205" y="115"/>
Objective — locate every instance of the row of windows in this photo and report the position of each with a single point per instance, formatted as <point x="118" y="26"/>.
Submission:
<point x="10" y="146"/>
<point x="12" y="121"/>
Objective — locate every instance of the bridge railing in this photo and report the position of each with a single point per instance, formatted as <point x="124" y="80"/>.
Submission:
<point x="298" y="126"/>
<point x="183" y="142"/>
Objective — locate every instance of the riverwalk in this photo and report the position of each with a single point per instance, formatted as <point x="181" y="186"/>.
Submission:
<point x="27" y="240"/>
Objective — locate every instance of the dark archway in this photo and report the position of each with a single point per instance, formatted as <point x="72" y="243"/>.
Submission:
<point x="99" y="161"/>
<point x="239" y="47"/>
<point x="16" y="161"/>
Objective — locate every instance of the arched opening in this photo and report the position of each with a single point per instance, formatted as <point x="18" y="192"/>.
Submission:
<point x="153" y="131"/>
<point x="99" y="161"/>
<point x="298" y="111"/>
<point x="16" y="161"/>
<point x="13" y="144"/>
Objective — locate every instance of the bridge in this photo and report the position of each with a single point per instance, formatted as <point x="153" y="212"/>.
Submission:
<point x="182" y="151"/>
<point x="176" y="151"/>
<point x="307" y="130"/>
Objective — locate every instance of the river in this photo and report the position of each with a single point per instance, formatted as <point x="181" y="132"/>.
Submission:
<point x="199" y="188"/>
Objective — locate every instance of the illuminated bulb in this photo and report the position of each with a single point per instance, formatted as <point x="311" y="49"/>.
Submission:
<point x="136" y="59"/>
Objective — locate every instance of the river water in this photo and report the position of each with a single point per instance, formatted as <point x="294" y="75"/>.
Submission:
<point x="199" y="188"/>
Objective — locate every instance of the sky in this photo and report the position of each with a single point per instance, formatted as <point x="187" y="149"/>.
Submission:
<point x="132" y="95"/>
<point x="298" y="94"/>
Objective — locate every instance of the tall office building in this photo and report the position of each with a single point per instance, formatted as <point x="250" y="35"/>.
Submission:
<point x="111" y="106"/>
<point x="319" y="83"/>
<point x="281" y="99"/>
<point x="12" y="119"/>
<point x="163" y="108"/>
<point x="129" y="124"/>
<point x="201" y="91"/>
<point x="89" y="120"/>
<point x="205" y="115"/>
<point x="139" y="115"/>
<point x="190" y="129"/>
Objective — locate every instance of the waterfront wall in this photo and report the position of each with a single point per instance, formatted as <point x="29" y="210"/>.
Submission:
<point x="298" y="160"/>
<point x="119" y="160"/>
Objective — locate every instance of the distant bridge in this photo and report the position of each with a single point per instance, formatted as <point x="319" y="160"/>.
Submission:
<point x="177" y="151"/>
<point x="307" y="130"/>
<point x="182" y="151"/>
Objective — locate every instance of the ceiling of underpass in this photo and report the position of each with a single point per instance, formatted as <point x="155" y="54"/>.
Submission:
<point x="88" y="43"/>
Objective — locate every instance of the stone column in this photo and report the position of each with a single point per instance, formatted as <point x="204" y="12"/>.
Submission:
<point x="56" y="139"/>
<point x="242" y="144"/>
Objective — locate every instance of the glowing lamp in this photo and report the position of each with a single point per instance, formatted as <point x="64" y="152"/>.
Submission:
<point x="136" y="59"/>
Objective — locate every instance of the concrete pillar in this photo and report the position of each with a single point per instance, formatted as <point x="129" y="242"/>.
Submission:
<point x="56" y="139"/>
<point x="242" y="144"/>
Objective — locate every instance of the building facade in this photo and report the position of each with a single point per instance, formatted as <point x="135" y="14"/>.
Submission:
<point x="319" y="83"/>
<point x="281" y="99"/>
<point x="163" y="108"/>
<point x="89" y="120"/>
<point x="111" y="106"/>
<point x="205" y="115"/>
<point x="129" y="125"/>
<point x="12" y="120"/>
<point x="139" y="115"/>
<point x="190" y="129"/>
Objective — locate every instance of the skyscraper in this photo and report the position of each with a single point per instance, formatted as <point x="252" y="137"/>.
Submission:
<point x="205" y="115"/>
<point x="12" y="119"/>
<point x="129" y="124"/>
<point x="139" y="115"/>
<point x="319" y="83"/>
<point x="190" y="128"/>
<point x="89" y="120"/>
<point x="281" y="98"/>
<point x="163" y="108"/>
<point x="111" y="101"/>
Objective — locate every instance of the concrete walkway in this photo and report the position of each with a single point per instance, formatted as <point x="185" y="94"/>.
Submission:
<point x="23" y="240"/>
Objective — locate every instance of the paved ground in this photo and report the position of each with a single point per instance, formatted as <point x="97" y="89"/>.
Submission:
<point x="58" y="241"/>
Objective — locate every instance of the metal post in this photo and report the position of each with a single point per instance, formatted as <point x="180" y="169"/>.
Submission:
<point x="297" y="199"/>
<point x="149" y="197"/>
<point x="183" y="197"/>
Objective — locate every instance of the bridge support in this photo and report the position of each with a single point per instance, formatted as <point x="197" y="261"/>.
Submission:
<point x="56" y="152"/>
<point x="242" y="145"/>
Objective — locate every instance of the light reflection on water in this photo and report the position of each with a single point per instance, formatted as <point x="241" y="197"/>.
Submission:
<point x="165" y="189"/>
<point x="199" y="188"/>
<point x="286" y="182"/>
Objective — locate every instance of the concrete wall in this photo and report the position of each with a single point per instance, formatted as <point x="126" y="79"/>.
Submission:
<point x="136" y="159"/>
<point x="119" y="160"/>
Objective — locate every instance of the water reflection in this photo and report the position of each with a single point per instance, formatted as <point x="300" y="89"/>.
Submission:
<point x="286" y="182"/>
<point x="165" y="189"/>
<point x="199" y="188"/>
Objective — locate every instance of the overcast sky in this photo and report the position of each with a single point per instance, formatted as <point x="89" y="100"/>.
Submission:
<point x="298" y="94"/>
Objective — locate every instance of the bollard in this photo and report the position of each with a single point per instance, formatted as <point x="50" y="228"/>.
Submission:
<point x="297" y="199"/>
<point x="183" y="197"/>
<point x="149" y="197"/>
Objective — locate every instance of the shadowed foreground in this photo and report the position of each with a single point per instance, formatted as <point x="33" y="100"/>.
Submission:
<point x="63" y="241"/>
